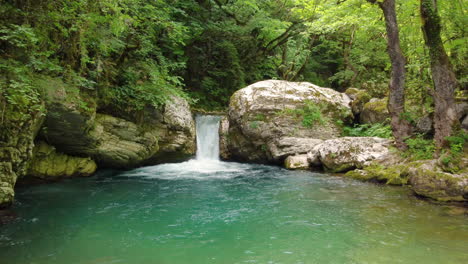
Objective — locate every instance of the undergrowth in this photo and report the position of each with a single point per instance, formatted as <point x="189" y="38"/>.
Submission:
<point x="368" y="130"/>
<point x="419" y="148"/>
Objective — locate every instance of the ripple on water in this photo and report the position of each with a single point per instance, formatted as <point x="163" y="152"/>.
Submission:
<point x="219" y="212"/>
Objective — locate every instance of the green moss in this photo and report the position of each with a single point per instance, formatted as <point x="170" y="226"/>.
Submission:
<point x="377" y="106"/>
<point x="363" y="97"/>
<point x="395" y="175"/>
<point x="352" y="91"/>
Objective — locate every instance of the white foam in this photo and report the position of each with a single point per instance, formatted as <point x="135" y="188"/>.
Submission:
<point x="192" y="169"/>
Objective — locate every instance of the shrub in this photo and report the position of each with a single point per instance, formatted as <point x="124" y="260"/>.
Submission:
<point x="419" y="148"/>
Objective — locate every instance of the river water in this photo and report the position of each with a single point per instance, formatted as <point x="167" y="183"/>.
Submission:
<point x="208" y="211"/>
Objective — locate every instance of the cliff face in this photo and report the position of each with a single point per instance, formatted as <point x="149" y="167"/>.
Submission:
<point x="18" y="128"/>
<point x="71" y="138"/>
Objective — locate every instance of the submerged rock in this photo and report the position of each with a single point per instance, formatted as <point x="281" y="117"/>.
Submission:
<point x="48" y="164"/>
<point x="264" y="116"/>
<point x="428" y="180"/>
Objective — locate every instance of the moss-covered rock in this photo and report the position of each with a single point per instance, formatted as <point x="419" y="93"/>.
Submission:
<point x="428" y="180"/>
<point x="262" y="114"/>
<point x="359" y="99"/>
<point x="74" y="128"/>
<point x="393" y="175"/>
<point x="48" y="164"/>
<point x="374" y="111"/>
<point x="18" y="128"/>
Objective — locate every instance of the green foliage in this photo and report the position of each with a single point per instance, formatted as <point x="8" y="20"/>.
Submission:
<point x="368" y="130"/>
<point x="128" y="51"/>
<point x="254" y="125"/>
<point x="19" y="96"/>
<point x="419" y="148"/>
<point x="452" y="158"/>
<point x="134" y="53"/>
<point x="309" y="114"/>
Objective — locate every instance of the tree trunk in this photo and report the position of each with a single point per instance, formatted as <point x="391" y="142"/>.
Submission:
<point x="445" y="82"/>
<point x="401" y="128"/>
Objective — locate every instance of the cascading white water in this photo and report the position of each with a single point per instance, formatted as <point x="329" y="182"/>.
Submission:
<point x="207" y="137"/>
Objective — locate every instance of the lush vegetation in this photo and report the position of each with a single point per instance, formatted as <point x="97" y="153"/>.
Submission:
<point x="127" y="54"/>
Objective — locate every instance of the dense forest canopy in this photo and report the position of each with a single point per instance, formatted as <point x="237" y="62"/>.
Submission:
<point x="131" y="53"/>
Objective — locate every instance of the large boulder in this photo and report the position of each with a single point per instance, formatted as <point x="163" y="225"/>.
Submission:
<point x="74" y="128"/>
<point x="428" y="180"/>
<point x="174" y="127"/>
<point x="374" y="111"/>
<point x="120" y="143"/>
<point x="48" y="164"/>
<point x="264" y="116"/>
<point x="347" y="153"/>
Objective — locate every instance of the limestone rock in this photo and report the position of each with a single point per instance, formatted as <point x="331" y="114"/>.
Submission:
<point x="428" y="180"/>
<point x="165" y="135"/>
<point x="224" y="138"/>
<point x="17" y="133"/>
<point x="121" y="144"/>
<point x="297" y="162"/>
<point x="359" y="99"/>
<point x="374" y="111"/>
<point x="263" y="114"/>
<point x="174" y="127"/>
<point x="48" y="164"/>
<point x="288" y="146"/>
<point x="343" y="154"/>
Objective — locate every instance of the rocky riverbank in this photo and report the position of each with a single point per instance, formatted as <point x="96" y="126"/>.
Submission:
<point x="70" y="135"/>
<point x="298" y="125"/>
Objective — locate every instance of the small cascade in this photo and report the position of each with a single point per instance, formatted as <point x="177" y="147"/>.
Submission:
<point x="207" y="137"/>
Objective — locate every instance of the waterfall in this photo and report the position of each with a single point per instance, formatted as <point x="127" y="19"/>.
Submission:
<point x="207" y="137"/>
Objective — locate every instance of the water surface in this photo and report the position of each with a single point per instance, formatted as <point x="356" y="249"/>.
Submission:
<point x="217" y="212"/>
